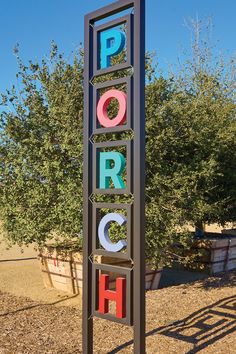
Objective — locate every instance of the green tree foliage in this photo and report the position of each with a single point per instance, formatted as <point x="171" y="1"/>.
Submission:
<point x="191" y="150"/>
<point x="191" y="157"/>
<point x="41" y="151"/>
<point x="190" y="153"/>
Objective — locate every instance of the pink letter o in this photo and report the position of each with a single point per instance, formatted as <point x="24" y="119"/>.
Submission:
<point x="103" y="104"/>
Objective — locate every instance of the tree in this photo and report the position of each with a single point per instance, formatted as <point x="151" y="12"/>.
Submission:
<point x="41" y="151"/>
<point x="190" y="152"/>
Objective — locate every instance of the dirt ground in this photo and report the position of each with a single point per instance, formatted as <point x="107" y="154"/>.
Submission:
<point x="20" y="275"/>
<point x="199" y="317"/>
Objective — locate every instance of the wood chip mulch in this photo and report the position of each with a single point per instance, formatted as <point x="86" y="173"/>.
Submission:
<point x="194" y="318"/>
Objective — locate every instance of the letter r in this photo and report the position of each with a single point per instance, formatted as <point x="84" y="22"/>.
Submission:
<point x="112" y="43"/>
<point x="108" y="172"/>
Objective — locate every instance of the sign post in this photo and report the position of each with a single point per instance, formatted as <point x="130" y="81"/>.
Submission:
<point x="114" y="168"/>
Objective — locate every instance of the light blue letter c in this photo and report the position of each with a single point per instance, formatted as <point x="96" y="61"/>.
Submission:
<point x="103" y="232"/>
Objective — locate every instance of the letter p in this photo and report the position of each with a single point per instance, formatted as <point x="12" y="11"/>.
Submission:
<point x="112" y="43"/>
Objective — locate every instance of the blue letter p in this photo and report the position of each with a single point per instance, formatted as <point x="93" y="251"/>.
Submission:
<point x="112" y="43"/>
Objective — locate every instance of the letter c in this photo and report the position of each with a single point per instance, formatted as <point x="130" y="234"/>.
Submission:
<point x="103" y="232"/>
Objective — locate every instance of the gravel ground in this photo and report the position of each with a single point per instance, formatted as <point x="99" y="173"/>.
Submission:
<point x="20" y="275"/>
<point x="191" y="318"/>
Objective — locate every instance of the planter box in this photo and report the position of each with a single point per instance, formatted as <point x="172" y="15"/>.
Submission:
<point x="223" y="255"/>
<point x="153" y="278"/>
<point x="218" y="253"/>
<point x="229" y="232"/>
<point x="64" y="270"/>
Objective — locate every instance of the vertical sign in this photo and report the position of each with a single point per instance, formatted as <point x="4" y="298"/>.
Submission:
<point x="114" y="167"/>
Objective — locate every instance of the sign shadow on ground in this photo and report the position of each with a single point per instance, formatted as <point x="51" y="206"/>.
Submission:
<point x="202" y="328"/>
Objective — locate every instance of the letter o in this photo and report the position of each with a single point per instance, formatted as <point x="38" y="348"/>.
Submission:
<point x="103" y="104"/>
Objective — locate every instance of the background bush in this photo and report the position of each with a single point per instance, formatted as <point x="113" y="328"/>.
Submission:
<point x="190" y="152"/>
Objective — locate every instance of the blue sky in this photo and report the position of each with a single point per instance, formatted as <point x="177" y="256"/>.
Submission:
<point x="34" y="23"/>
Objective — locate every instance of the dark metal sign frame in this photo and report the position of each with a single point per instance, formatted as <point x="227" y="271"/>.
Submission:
<point x="136" y="60"/>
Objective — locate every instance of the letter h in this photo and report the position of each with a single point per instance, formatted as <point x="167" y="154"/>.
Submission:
<point x="106" y="295"/>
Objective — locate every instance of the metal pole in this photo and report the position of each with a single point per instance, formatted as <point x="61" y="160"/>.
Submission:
<point x="87" y="188"/>
<point x="139" y="179"/>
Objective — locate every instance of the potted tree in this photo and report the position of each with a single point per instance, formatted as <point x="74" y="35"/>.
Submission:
<point x="190" y="156"/>
<point x="41" y="164"/>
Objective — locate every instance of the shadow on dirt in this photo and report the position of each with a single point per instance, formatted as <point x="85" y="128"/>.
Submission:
<point x="224" y="280"/>
<point x="37" y="305"/>
<point x="173" y="277"/>
<point x="202" y="328"/>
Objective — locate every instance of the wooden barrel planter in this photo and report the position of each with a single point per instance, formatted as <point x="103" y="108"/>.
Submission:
<point x="217" y="252"/>
<point x="64" y="270"/>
